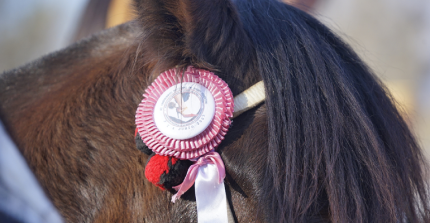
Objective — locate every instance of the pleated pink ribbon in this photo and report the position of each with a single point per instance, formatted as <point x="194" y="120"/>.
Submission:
<point x="209" y="158"/>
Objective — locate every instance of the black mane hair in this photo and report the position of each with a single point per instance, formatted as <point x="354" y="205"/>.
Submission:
<point x="338" y="148"/>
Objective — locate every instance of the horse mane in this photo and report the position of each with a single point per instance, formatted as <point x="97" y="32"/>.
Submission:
<point x="338" y="148"/>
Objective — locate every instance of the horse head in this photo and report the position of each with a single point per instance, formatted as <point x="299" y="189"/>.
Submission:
<point x="327" y="144"/>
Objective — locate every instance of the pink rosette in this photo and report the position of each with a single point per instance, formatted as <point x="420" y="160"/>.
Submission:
<point x="198" y="145"/>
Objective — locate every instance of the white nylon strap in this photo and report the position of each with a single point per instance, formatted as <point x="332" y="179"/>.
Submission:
<point x="248" y="99"/>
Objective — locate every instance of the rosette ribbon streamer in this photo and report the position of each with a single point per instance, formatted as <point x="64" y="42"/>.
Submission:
<point x="209" y="158"/>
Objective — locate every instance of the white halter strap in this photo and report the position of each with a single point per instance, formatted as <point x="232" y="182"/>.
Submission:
<point x="248" y="99"/>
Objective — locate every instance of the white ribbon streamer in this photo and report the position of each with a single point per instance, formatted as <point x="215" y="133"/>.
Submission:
<point x="210" y="196"/>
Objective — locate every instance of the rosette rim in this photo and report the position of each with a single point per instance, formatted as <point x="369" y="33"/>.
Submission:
<point x="200" y="144"/>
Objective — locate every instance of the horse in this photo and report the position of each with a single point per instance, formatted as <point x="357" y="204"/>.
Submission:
<point x="327" y="144"/>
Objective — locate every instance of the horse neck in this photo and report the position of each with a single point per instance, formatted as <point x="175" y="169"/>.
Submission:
<point x="73" y="113"/>
<point x="61" y="74"/>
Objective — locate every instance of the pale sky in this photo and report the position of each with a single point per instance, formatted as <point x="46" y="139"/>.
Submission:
<point x="32" y="28"/>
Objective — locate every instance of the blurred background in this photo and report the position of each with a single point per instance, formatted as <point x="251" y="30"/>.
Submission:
<point x="392" y="36"/>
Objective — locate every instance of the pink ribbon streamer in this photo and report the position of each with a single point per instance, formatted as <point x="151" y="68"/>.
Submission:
<point x="209" y="158"/>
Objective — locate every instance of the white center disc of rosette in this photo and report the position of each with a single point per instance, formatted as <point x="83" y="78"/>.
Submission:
<point x="184" y="110"/>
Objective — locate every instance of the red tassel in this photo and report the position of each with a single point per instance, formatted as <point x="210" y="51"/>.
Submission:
<point x="156" y="166"/>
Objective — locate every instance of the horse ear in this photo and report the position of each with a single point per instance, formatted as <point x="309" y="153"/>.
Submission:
<point x="204" y="33"/>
